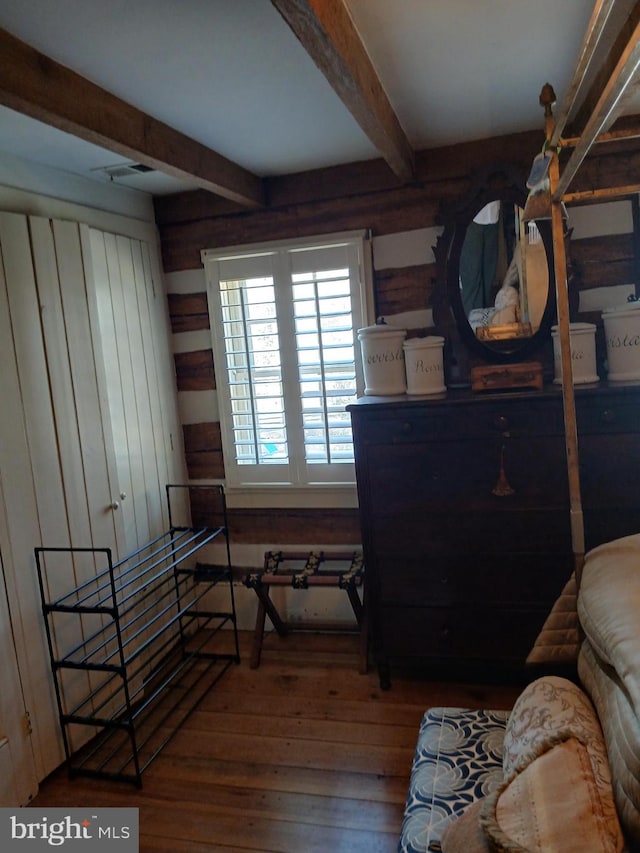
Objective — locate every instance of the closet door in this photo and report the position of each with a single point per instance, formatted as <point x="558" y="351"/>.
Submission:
<point x="18" y="773"/>
<point x="34" y="503"/>
<point x="84" y="440"/>
<point x="121" y="301"/>
<point x="18" y="780"/>
<point x="126" y="306"/>
<point x="89" y="415"/>
<point x="54" y="465"/>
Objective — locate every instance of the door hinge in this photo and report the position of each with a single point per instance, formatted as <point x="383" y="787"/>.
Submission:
<point x="27" y="728"/>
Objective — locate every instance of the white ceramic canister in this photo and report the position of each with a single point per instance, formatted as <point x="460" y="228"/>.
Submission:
<point x="424" y="365"/>
<point x="583" y="353"/>
<point x="383" y="359"/>
<point x="622" y="334"/>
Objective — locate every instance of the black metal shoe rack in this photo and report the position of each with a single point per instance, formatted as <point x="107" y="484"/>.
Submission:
<point x="140" y="632"/>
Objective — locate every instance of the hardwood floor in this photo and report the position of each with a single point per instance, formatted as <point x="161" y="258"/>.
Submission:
<point x="302" y="754"/>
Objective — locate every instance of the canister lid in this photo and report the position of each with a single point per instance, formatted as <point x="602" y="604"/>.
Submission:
<point x="628" y="307"/>
<point x="381" y="330"/>
<point x="421" y="343"/>
<point x="575" y="327"/>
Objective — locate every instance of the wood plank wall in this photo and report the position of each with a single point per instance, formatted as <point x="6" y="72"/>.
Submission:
<point x="350" y="197"/>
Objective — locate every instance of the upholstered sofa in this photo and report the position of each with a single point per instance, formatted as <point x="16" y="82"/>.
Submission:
<point x="561" y="770"/>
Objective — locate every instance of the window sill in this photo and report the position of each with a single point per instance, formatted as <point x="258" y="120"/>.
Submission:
<point x="288" y="497"/>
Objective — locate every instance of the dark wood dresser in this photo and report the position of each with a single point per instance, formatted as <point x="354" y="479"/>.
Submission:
<point x="464" y="507"/>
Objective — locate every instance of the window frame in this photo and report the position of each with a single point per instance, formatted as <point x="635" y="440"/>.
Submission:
<point x="333" y="483"/>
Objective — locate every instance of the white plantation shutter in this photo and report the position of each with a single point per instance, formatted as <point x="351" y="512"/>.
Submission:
<point x="285" y="322"/>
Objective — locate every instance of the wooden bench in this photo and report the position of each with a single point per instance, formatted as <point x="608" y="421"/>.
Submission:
<point x="303" y="570"/>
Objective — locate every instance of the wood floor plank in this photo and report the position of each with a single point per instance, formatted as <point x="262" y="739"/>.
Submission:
<point x="266" y="777"/>
<point x="162" y="845"/>
<point x="360" y="711"/>
<point x="309" y="676"/>
<point x="290" y="752"/>
<point x="319" y="684"/>
<point x="215" y="827"/>
<point x="324" y="809"/>
<point x="301" y="755"/>
<point x="291" y="726"/>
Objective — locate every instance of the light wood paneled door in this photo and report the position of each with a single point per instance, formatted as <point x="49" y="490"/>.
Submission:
<point x="89" y="426"/>
<point x="18" y="777"/>
<point x="29" y="467"/>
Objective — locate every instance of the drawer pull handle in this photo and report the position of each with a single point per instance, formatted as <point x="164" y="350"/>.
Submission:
<point x="501" y="422"/>
<point x="502" y="488"/>
<point x="608" y="416"/>
<point x="406" y="428"/>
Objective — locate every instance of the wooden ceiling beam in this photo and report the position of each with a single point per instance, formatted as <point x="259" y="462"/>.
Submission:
<point x="36" y="85"/>
<point x="326" y="31"/>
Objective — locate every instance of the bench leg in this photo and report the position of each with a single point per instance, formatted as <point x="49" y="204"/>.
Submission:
<point x="265" y="608"/>
<point x="258" y="634"/>
<point x="354" y="598"/>
<point x="358" y="609"/>
<point x="363" y="660"/>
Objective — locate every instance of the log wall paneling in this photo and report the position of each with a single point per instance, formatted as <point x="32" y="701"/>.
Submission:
<point x="403" y="289"/>
<point x="383" y="213"/>
<point x="614" y="164"/>
<point x="289" y="527"/>
<point x="203" y="451"/>
<point x="310" y="527"/>
<point x="194" y="370"/>
<point x="603" y="261"/>
<point x="189" y="312"/>
<point x="338" y="199"/>
<point x="444" y="168"/>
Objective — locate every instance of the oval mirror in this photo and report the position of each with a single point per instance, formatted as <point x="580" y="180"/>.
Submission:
<point x="494" y="290"/>
<point x="503" y="274"/>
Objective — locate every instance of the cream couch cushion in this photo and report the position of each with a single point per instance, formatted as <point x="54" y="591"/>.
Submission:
<point x="608" y="607"/>
<point x="554" y="805"/>
<point x="609" y="665"/>
<point x="548" y="710"/>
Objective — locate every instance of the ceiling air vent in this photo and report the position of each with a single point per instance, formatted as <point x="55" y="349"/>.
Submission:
<point x="124" y="170"/>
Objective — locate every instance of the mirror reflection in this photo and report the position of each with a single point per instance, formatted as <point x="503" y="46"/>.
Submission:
<point x="503" y="274"/>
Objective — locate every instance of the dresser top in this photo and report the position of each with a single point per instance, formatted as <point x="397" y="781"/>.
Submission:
<point x="464" y="396"/>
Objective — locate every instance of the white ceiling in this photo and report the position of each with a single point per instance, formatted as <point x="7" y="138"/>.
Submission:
<point x="232" y="75"/>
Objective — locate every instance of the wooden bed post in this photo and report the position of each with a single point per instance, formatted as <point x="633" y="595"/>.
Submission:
<point x="547" y="99"/>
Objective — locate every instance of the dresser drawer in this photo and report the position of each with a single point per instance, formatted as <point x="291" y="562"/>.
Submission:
<point x="416" y="535"/>
<point x="607" y="523"/>
<point x="463" y="633"/>
<point x="608" y="416"/>
<point x="485" y="419"/>
<point x="610" y="470"/>
<point x="462" y="475"/>
<point x="515" y="579"/>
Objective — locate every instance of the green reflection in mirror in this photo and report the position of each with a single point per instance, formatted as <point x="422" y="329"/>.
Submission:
<point x="504" y="275"/>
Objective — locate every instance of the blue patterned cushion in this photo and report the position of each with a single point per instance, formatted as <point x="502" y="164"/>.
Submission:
<point x="458" y="760"/>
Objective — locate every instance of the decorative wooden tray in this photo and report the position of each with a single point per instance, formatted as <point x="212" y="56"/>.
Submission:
<point x="504" y="376"/>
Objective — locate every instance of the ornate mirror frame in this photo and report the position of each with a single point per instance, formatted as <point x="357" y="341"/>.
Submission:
<point x="501" y="181"/>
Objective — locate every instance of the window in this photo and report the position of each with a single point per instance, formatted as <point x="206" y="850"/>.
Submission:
<point x="285" y="349"/>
